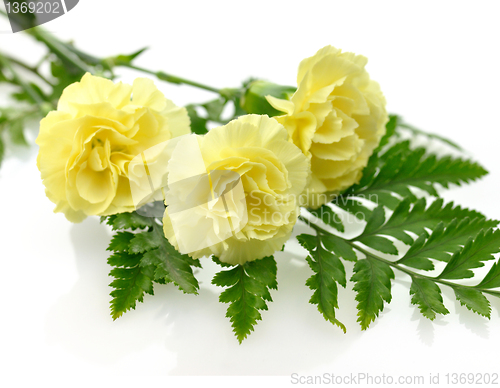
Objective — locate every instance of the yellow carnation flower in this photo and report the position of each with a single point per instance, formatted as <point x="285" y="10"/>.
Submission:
<point x="234" y="191"/>
<point x="87" y="144"/>
<point x="336" y="117"/>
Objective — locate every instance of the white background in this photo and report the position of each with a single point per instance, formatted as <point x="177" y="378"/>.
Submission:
<point x="438" y="65"/>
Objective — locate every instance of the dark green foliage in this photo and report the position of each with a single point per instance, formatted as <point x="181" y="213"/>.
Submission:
<point x="473" y="300"/>
<point x="170" y="265"/>
<point x="427" y="296"/>
<point x="445" y="238"/>
<point x="130" y="220"/>
<point x="130" y="284"/>
<point x="329" y="217"/>
<point x="247" y="291"/>
<point x="492" y="279"/>
<point x="393" y="170"/>
<point x="198" y="124"/>
<point x="462" y="238"/>
<point x="415" y="218"/>
<point x="390" y="130"/>
<point x="328" y="271"/>
<point x="64" y="75"/>
<point x="372" y="280"/>
<point x="141" y="258"/>
<point x="401" y="168"/>
<point x="473" y="255"/>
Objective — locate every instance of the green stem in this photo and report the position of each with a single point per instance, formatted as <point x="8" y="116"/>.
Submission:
<point x="33" y="70"/>
<point x="407" y="271"/>
<point x="18" y="80"/>
<point x="59" y="48"/>
<point x="82" y="55"/>
<point x="171" y="78"/>
<point x="76" y="57"/>
<point x="42" y="60"/>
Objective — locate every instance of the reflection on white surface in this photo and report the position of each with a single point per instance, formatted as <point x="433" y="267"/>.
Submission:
<point x="177" y="332"/>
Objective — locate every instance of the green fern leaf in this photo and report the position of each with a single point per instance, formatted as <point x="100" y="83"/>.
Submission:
<point x="328" y="271"/>
<point x="141" y="258"/>
<point x="128" y="221"/>
<point x="427" y="296"/>
<point x="416" y="218"/>
<point x="170" y="265"/>
<point x="120" y="242"/>
<point x="492" y="279"/>
<point x="130" y="284"/>
<point x="329" y="217"/>
<point x="400" y="168"/>
<point x="473" y="255"/>
<point x="373" y="287"/>
<point x="473" y="300"/>
<point x="247" y="293"/>
<point x="390" y="130"/>
<point x="443" y="241"/>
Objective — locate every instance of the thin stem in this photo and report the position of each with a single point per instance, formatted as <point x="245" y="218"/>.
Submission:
<point x="42" y="60"/>
<point x="413" y="274"/>
<point x="171" y="78"/>
<point x="27" y="87"/>
<point x="59" y="48"/>
<point x="407" y="271"/>
<point x="84" y="56"/>
<point x="74" y="56"/>
<point x="33" y="70"/>
<point x="314" y="226"/>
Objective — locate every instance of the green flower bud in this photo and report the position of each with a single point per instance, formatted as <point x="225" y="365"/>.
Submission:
<point x="254" y="99"/>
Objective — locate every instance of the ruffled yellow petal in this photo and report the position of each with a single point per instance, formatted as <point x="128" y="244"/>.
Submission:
<point x="282" y="105"/>
<point x="146" y="94"/>
<point x="240" y="201"/>
<point x="94" y="90"/>
<point x="87" y="145"/>
<point x="336" y="117"/>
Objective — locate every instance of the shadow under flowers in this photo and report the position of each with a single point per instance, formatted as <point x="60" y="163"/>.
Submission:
<point x="80" y="321"/>
<point x="178" y="334"/>
<point x="191" y="334"/>
<point x="291" y="337"/>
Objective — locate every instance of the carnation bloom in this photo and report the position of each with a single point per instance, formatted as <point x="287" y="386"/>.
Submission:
<point x="336" y="117"/>
<point x="236" y="197"/>
<point x="86" y="145"/>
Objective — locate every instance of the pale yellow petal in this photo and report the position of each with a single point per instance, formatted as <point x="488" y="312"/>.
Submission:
<point x="203" y="218"/>
<point x="145" y="93"/>
<point x="87" y="145"/>
<point x="337" y="119"/>
<point x="94" y="90"/>
<point x="344" y="149"/>
<point x="282" y="105"/>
